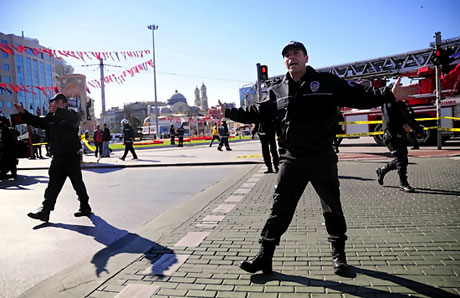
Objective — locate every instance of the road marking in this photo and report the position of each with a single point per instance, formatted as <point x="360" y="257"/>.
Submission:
<point x="192" y="239"/>
<point x="224" y="208"/>
<point x="241" y="191"/>
<point x="138" y="291"/>
<point x="248" y="185"/>
<point x="234" y="199"/>
<point x="254" y="179"/>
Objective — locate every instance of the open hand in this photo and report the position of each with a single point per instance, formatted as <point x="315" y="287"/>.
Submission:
<point x="402" y="92"/>
<point x="19" y="107"/>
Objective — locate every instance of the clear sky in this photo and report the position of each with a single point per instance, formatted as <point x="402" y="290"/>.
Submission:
<point x="218" y="42"/>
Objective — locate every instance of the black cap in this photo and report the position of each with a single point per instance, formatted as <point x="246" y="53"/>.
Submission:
<point x="294" y="44"/>
<point x="59" y="96"/>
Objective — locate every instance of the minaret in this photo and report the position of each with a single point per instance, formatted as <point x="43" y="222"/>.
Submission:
<point x="204" y="97"/>
<point x="197" y="97"/>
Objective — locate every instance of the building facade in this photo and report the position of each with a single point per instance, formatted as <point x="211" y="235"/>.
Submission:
<point x="29" y="69"/>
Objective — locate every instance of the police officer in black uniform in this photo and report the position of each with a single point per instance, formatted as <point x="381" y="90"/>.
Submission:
<point x="397" y="122"/>
<point x="304" y="102"/>
<point x="128" y="139"/>
<point x="267" y="135"/>
<point x="62" y="125"/>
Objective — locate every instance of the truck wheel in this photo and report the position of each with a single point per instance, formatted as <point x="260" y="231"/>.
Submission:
<point x="378" y="138"/>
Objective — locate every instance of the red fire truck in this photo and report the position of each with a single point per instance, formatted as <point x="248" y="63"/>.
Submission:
<point x="416" y="66"/>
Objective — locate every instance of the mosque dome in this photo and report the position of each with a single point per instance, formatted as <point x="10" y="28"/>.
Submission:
<point x="177" y="97"/>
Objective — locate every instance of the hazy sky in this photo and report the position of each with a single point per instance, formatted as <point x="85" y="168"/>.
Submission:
<point x="218" y="43"/>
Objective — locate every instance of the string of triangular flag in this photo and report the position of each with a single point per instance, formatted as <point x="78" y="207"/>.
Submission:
<point x="120" y="79"/>
<point x="11" y="49"/>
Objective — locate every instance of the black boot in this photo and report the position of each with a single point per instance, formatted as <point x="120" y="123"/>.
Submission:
<point x="43" y="214"/>
<point x="403" y="184"/>
<point x="85" y="210"/>
<point x="262" y="261"/>
<point x="339" y="258"/>
<point x="381" y="172"/>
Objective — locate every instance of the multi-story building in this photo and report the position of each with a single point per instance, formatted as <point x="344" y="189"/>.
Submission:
<point x="30" y="69"/>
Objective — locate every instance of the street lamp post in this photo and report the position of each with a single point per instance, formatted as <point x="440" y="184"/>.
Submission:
<point x="153" y="28"/>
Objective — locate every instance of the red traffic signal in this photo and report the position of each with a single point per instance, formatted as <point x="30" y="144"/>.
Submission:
<point x="262" y="72"/>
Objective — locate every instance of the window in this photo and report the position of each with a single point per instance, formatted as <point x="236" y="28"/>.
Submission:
<point x="1" y="101"/>
<point x="7" y="79"/>
<point x="9" y="104"/>
<point x="5" y="55"/>
<point x="6" y="66"/>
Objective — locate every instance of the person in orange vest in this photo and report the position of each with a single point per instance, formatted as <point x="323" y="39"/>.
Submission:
<point x="215" y="134"/>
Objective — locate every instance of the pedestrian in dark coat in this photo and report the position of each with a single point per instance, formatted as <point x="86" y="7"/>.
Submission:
<point x="267" y="139"/>
<point x="64" y="142"/>
<point x="224" y="135"/>
<point x="98" y="138"/>
<point x="180" y="135"/>
<point x="172" y="134"/>
<point x="106" y="138"/>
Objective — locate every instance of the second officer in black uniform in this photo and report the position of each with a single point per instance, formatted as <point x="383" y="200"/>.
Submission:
<point x="397" y="122"/>
<point x="305" y="102"/>
<point x="62" y="126"/>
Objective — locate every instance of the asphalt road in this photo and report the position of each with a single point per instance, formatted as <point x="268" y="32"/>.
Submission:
<point x="122" y="201"/>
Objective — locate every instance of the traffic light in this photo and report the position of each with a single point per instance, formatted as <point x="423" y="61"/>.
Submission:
<point x="441" y="57"/>
<point x="262" y="72"/>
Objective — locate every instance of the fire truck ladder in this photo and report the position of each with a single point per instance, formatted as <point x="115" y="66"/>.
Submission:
<point x="391" y="65"/>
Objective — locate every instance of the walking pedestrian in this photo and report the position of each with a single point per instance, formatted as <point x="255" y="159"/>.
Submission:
<point x="106" y="137"/>
<point x="397" y="121"/>
<point x="180" y="135"/>
<point x="98" y="141"/>
<point x="304" y="103"/>
<point x="215" y="134"/>
<point x="128" y="139"/>
<point x="267" y="139"/>
<point x="172" y="134"/>
<point x="62" y="125"/>
<point x="224" y="135"/>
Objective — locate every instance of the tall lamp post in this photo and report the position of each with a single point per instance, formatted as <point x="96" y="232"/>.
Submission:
<point x="153" y="28"/>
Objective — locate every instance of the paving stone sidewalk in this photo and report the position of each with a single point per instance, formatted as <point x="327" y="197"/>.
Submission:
<point x="399" y="244"/>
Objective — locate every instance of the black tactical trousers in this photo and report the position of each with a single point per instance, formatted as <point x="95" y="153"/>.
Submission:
<point x="129" y="147"/>
<point x="62" y="167"/>
<point x="398" y="147"/>
<point x="295" y="172"/>
<point x="268" y="143"/>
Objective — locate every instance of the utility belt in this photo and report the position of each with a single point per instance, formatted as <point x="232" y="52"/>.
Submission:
<point x="388" y="136"/>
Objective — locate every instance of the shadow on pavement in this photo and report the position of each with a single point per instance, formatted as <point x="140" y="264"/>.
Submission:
<point x="355" y="290"/>
<point x="355" y="178"/>
<point x="117" y="241"/>
<point x="432" y="191"/>
<point x="102" y="170"/>
<point x="21" y="182"/>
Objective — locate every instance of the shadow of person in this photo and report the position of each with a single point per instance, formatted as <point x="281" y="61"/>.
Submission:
<point x="22" y="181"/>
<point x="438" y="191"/>
<point x="117" y="242"/>
<point x="352" y="288"/>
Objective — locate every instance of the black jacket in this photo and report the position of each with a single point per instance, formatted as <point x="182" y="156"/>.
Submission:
<point x="180" y="132"/>
<point x="395" y="115"/>
<point x="306" y="111"/>
<point x="128" y="134"/>
<point x="62" y="128"/>
<point x="106" y="135"/>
